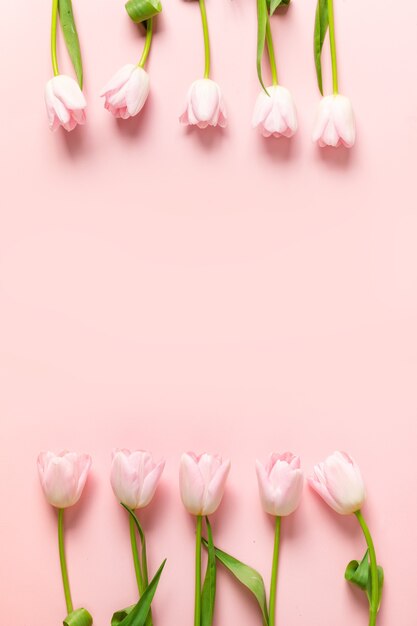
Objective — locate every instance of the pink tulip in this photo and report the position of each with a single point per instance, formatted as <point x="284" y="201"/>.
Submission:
<point x="63" y="476"/>
<point x="205" y="106"/>
<point x="280" y="483"/>
<point x="126" y="93"/>
<point x="202" y="482"/>
<point x="65" y="103"/>
<point x="335" y="122"/>
<point x="275" y="114"/>
<point x="339" y="482"/>
<point x="134" y="477"/>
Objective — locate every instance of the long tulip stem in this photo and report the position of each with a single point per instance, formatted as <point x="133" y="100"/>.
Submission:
<point x="206" y="39"/>
<point x="63" y="561"/>
<point x="373" y="605"/>
<point x="274" y="573"/>
<point x="333" y="47"/>
<point x="271" y="53"/>
<point x="197" y="605"/>
<point x="135" y="554"/>
<point x="54" y="23"/>
<point x="148" y="41"/>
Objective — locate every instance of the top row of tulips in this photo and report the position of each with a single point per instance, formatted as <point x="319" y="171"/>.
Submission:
<point x="126" y="92"/>
<point x="134" y="477"/>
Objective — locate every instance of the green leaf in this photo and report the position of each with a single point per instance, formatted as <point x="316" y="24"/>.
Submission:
<point x="79" y="617"/>
<point x="208" y="594"/>
<point x="137" y="616"/>
<point x="274" y="4"/>
<point x="359" y="574"/>
<point x="120" y="615"/>
<point x="66" y="17"/>
<point x="320" y="28"/>
<point x="246" y="575"/>
<point x="262" y="21"/>
<point x="142" y="10"/>
<point x="142" y="541"/>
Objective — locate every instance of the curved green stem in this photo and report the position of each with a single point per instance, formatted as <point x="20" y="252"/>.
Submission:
<point x="197" y="605"/>
<point x="333" y="47"/>
<point x="148" y="41"/>
<point x="271" y="52"/>
<point x="274" y="574"/>
<point x="135" y="553"/>
<point x="63" y="561"/>
<point x="206" y="39"/>
<point x="53" y="37"/>
<point x="373" y="605"/>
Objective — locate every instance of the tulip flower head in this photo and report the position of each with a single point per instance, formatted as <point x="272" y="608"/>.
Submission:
<point x="63" y="476"/>
<point x="280" y="483"/>
<point x="335" y="122"/>
<point x="339" y="482"/>
<point x="65" y="103"/>
<point x="134" y="477"/>
<point x="275" y="113"/>
<point x="205" y="106"/>
<point x="126" y="92"/>
<point x="202" y="482"/>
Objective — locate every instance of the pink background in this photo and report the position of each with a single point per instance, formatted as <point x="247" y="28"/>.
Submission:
<point x="168" y="290"/>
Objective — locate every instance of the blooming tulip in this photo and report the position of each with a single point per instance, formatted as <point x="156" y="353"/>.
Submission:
<point x="202" y="482"/>
<point x="280" y="483"/>
<point x="126" y="93"/>
<point x="275" y="114"/>
<point x="205" y="106"/>
<point x="134" y="477"/>
<point x="335" y="122"/>
<point x="65" y="102"/>
<point x="339" y="482"/>
<point x="63" y="476"/>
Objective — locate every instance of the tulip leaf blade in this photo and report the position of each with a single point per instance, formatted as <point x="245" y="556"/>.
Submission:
<point x="359" y="574"/>
<point x="79" y="617"/>
<point x="69" y="30"/>
<point x="320" y="29"/>
<point x="208" y="594"/>
<point x="262" y="11"/>
<point x="142" y="10"/>
<point x="138" y="615"/>
<point x="247" y="576"/>
<point x="274" y="4"/>
<point x="119" y="616"/>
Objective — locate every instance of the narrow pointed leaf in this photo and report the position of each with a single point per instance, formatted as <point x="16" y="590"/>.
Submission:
<point x="274" y="4"/>
<point x="139" y="613"/>
<point x="247" y="576"/>
<point x="262" y="20"/>
<point x="79" y="617"/>
<point x="320" y="28"/>
<point x="119" y="616"/>
<point x="359" y="574"/>
<point x="208" y="594"/>
<point x="66" y="18"/>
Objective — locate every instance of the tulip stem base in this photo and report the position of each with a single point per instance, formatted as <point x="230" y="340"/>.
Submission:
<point x="148" y="41"/>
<point x="206" y="39"/>
<point x="373" y="605"/>
<point x="333" y="47"/>
<point x="63" y="562"/>
<point x="54" y="23"/>
<point x="271" y="53"/>
<point x="197" y="605"/>
<point x="274" y="573"/>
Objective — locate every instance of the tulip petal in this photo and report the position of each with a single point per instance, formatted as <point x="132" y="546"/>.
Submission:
<point x="191" y="485"/>
<point x="119" y="79"/>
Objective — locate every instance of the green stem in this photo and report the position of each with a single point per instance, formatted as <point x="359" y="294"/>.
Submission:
<point x="333" y="47"/>
<point x="206" y="39"/>
<point x="274" y="574"/>
<point x="63" y="561"/>
<point x="135" y="553"/>
<point x="373" y="605"/>
<point x="148" y="41"/>
<point x="270" y="45"/>
<point x="197" y="606"/>
<point x="53" y="37"/>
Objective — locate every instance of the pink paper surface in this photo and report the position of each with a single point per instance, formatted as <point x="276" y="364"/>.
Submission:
<point x="175" y="290"/>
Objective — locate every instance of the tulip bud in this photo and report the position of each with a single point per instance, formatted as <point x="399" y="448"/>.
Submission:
<point x="202" y="482"/>
<point x="335" y="122"/>
<point x="339" y="482"/>
<point x="275" y="114"/>
<point x="205" y="106"/>
<point x="63" y="476"/>
<point x="65" y="103"/>
<point x="125" y="94"/>
<point x="280" y="483"/>
<point x="134" y="477"/>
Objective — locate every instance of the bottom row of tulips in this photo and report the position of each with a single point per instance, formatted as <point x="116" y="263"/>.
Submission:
<point x="134" y="478"/>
